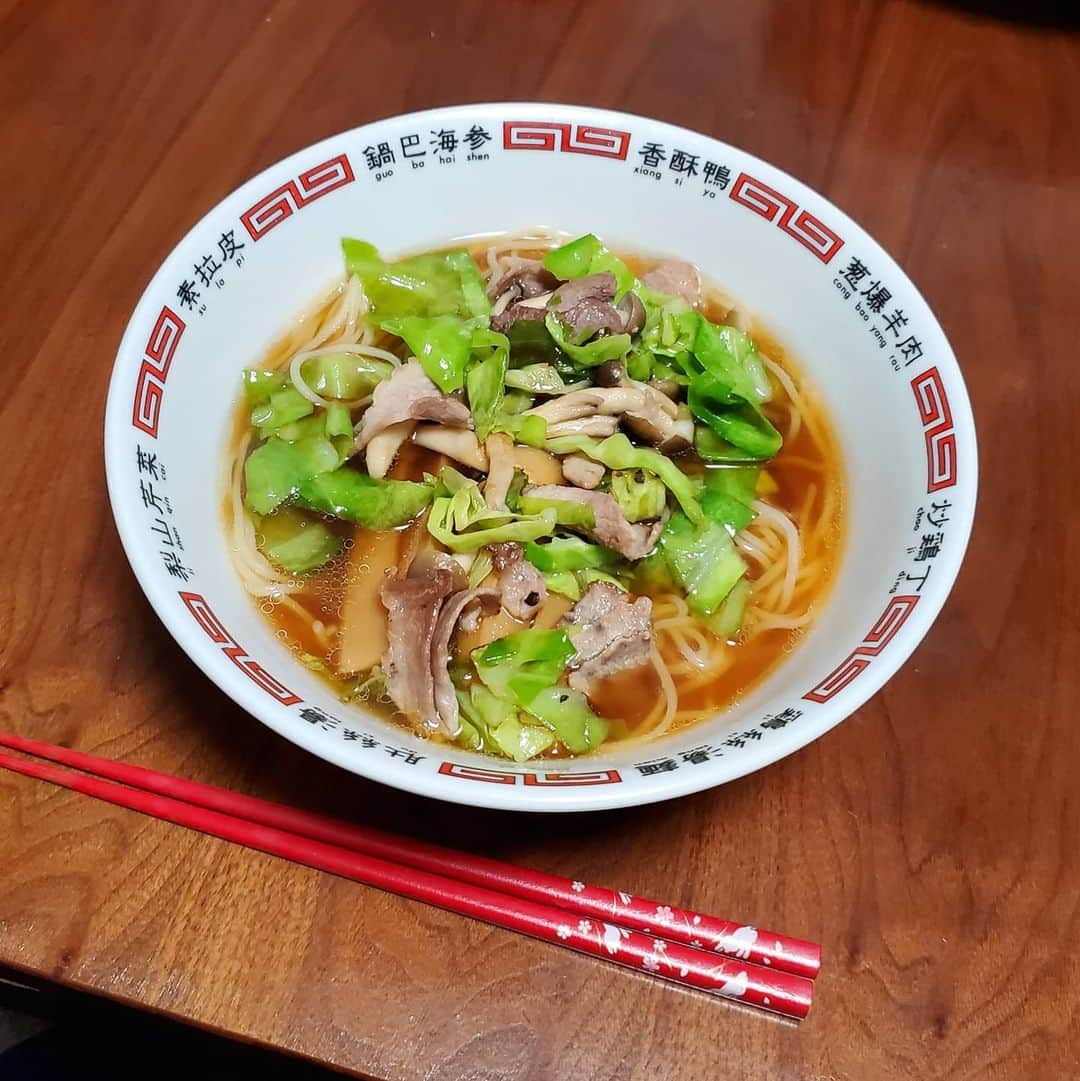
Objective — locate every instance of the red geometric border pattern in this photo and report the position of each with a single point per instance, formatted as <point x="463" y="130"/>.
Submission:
<point x="558" y="780"/>
<point x="810" y="232"/>
<point x="936" y="418"/>
<point x="203" y="615"/>
<point x="570" y="139"/>
<point x="294" y="195"/>
<point x="877" y="638"/>
<point x="157" y="359"/>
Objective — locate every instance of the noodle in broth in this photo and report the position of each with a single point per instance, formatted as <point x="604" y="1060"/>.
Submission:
<point x="791" y="546"/>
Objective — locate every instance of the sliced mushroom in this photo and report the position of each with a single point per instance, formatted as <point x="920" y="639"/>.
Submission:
<point x="458" y="443"/>
<point x="539" y="466"/>
<point x="666" y="433"/>
<point x="611" y="373"/>
<point x="500" y="455"/>
<point x="668" y="387"/>
<point x="632" y="311"/>
<point x="648" y="413"/>
<point x="383" y="447"/>
<point x="597" y="425"/>
<point x="629" y="397"/>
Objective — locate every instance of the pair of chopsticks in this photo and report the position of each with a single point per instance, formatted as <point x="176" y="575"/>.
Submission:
<point x="755" y="967"/>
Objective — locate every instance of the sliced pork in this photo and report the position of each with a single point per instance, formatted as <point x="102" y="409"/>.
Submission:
<point x="521" y="585"/>
<point x="409" y="395"/>
<point x="586" y="306"/>
<point x="511" y="292"/>
<point x="582" y="472"/>
<point x="677" y="279"/>
<point x="453" y="612"/>
<point x="610" y="632"/>
<point x="413" y="603"/>
<point x="629" y="539"/>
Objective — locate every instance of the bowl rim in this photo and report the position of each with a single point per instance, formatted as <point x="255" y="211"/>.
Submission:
<point x="546" y="799"/>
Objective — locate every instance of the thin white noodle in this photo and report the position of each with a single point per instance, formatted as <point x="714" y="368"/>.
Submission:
<point x="768" y="621"/>
<point x="258" y="575"/>
<point x="752" y="546"/>
<point x="781" y="521"/>
<point x="688" y="652"/>
<point x="788" y="384"/>
<point x="671" y="695"/>
<point x="357" y="348"/>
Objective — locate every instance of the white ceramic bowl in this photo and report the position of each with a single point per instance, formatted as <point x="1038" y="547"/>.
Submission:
<point x="891" y="384"/>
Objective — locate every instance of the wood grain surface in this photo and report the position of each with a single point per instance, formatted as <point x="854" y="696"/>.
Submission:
<point x="930" y="843"/>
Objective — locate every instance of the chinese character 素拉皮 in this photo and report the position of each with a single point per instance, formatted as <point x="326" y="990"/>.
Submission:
<point x="147" y="462"/>
<point x="681" y="162"/>
<point x="228" y="247"/>
<point x="781" y="719"/>
<point x="207" y="269"/>
<point x="652" y="154"/>
<point x="172" y="564"/>
<point x="444" y="140"/>
<point x="187" y="294"/>
<point x="696" y="755"/>
<point x="910" y="349"/>
<point x="877" y="296"/>
<point x="362" y="738"/>
<point x="314" y="715"/>
<point x="663" y="765"/>
<point x="411" y="757"/>
<point x="378" y="156"/>
<point x="938" y="509"/>
<point x="717" y="174"/>
<point x="895" y="321"/>
<point x="856" y="271"/>
<point x="411" y="148"/>
<point x="475" y="137"/>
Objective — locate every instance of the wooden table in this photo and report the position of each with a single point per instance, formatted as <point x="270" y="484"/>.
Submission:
<point x="930" y="843"/>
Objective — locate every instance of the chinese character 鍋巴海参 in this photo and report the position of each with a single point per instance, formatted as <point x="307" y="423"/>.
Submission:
<point x="475" y="137"/>
<point x="444" y="140"/>
<point x="378" y="156"/>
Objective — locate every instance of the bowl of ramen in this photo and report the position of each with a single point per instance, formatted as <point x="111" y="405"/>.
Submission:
<point x="539" y="457"/>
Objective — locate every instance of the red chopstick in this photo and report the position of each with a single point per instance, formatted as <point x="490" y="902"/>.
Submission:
<point x="779" y="992"/>
<point x="744" y="942"/>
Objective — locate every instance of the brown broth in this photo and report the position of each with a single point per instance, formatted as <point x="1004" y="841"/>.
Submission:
<point x="626" y="698"/>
